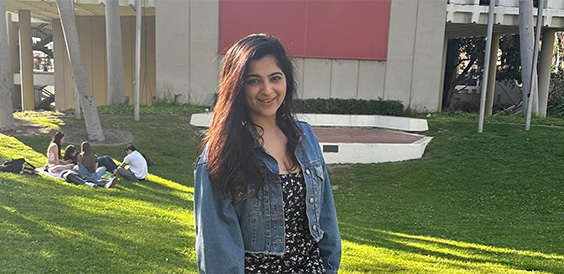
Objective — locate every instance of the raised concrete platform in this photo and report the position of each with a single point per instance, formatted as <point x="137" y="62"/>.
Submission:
<point x="369" y="145"/>
<point x="341" y="120"/>
<point x="352" y="139"/>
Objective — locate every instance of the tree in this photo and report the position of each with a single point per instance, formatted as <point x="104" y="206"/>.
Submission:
<point x="93" y="127"/>
<point x="464" y="62"/>
<point x="6" y="116"/>
<point x="510" y="59"/>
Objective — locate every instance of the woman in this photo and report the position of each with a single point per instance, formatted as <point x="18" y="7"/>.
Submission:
<point x="262" y="198"/>
<point x="60" y="168"/>
<point x="71" y="154"/>
<point x="88" y="165"/>
<point x="55" y="163"/>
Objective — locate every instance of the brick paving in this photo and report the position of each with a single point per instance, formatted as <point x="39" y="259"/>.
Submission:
<point x="363" y="135"/>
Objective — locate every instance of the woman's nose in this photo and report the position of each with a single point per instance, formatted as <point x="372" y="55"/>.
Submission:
<point x="267" y="88"/>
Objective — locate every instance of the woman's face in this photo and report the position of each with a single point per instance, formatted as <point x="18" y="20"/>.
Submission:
<point x="265" y="88"/>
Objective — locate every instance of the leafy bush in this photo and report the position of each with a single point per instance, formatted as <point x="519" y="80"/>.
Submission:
<point x="157" y="108"/>
<point x="349" y="106"/>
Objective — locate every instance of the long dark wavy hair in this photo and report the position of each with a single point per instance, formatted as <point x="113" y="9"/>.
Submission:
<point x="57" y="140"/>
<point x="231" y="148"/>
<point x="69" y="151"/>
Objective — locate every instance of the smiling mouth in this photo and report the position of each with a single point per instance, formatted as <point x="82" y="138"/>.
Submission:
<point x="266" y="101"/>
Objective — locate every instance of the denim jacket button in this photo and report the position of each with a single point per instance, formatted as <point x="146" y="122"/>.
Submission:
<point x="311" y="200"/>
<point x="307" y="171"/>
<point x="314" y="227"/>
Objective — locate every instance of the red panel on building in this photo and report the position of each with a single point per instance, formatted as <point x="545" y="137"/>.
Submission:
<point x="348" y="29"/>
<point x="338" y="29"/>
<point x="283" y="19"/>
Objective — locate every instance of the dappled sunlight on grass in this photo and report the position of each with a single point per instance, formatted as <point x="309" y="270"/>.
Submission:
<point x="146" y="212"/>
<point x="12" y="148"/>
<point x="52" y="226"/>
<point x="51" y="123"/>
<point x="169" y="183"/>
<point x="457" y="244"/>
<point x="57" y="230"/>
<point x="399" y="252"/>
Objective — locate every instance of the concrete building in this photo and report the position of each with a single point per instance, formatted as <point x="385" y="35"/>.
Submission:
<point x="390" y="49"/>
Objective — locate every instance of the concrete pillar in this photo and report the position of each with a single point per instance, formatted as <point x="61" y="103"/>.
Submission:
<point x="116" y="84"/>
<point x="26" y="60"/>
<point x="14" y="59"/>
<point x="492" y="74"/>
<point x="545" y="66"/>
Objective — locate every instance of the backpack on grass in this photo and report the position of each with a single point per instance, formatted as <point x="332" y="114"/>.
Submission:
<point x="17" y="166"/>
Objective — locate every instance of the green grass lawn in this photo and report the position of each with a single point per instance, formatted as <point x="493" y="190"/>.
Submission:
<point x="476" y="203"/>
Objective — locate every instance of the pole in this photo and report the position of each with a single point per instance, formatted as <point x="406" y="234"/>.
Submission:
<point x="534" y="68"/>
<point x="137" y="56"/>
<point x="484" y="82"/>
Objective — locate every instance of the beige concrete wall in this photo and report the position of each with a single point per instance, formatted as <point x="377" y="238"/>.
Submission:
<point x="401" y="46"/>
<point x="187" y="50"/>
<point x="428" y="55"/>
<point x="188" y="61"/>
<point x="91" y="31"/>
<point x="335" y="78"/>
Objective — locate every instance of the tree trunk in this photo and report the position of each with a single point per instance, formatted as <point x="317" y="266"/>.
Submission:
<point x="93" y="127"/>
<point x="116" y="85"/>
<point x="526" y="34"/>
<point x="6" y="116"/>
<point x="450" y="71"/>
<point x="559" y="36"/>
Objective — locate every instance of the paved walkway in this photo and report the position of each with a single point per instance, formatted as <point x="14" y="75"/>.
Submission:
<point x="363" y="135"/>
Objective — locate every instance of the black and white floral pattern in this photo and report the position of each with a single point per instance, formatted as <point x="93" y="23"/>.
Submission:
<point x="302" y="252"/>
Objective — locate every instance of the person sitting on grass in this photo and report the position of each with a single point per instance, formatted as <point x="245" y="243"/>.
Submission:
<point x="88" y="168"/>
<point x="71" y="154"/>
<point x="55" y="162"/>
<point x="60" y="168"/>
<point x="137" y="165"/>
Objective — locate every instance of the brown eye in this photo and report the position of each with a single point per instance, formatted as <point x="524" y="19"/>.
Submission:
<point x="252" y="81"/>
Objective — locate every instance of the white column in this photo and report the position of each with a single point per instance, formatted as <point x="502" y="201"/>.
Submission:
<point x="492" y="74"/>
<point x="545" y="66"/>
<point x="14" y="59"/>
<point x="26" y="60"/>
<point x="116" y="85"/>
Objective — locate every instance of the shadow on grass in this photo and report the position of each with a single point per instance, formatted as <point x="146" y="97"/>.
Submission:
<point x="414" y="250"/>
<point x="48" y="225"/>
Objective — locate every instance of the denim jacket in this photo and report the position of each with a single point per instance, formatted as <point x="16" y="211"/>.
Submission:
<point x="227" y="228"/>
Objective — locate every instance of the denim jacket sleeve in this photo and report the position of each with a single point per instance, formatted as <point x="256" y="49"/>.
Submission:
<point x="219" y="242"/>
<point x="330" y="243"/>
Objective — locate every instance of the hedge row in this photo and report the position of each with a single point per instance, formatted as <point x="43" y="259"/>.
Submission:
<point x="349" y="106"/>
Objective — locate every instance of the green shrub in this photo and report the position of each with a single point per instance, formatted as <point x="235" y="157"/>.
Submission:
<point x="349" y="106"/>
<point x="158" y="107"/>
